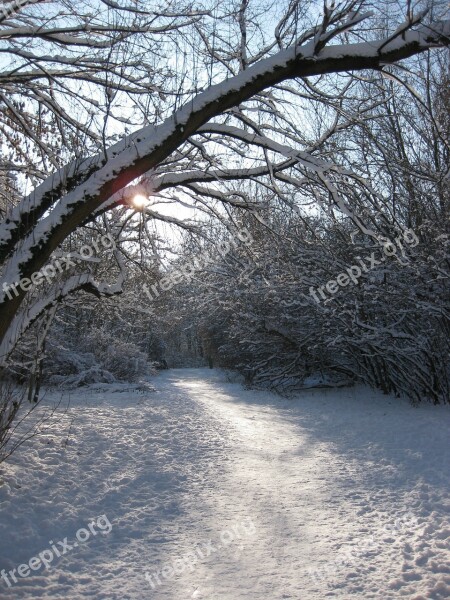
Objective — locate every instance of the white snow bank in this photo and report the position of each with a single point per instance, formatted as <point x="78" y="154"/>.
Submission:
<point x="344" y="493"/>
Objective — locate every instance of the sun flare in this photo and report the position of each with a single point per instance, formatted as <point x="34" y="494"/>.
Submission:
<point x="140" y="201"/>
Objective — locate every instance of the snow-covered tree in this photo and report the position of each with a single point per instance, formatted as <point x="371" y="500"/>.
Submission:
<point x="228" y="113"/>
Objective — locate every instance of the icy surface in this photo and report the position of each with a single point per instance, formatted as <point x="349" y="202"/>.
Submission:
<point x="346" y="492"/>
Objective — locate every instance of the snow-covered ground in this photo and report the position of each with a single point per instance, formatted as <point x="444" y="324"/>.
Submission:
<point x="205" y="490"/>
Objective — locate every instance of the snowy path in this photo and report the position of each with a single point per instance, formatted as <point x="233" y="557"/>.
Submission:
<point x="340" y="494"/>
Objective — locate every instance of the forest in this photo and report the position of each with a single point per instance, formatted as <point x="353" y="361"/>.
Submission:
<point x="255" y="188"/>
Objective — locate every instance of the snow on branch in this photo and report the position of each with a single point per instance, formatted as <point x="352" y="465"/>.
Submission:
<point x="57" y="294"/>
<point x="144" y="150"/>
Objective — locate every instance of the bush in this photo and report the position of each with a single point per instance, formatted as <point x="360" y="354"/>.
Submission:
<point x="99" y="358"/>
<point x="123" y="359"/>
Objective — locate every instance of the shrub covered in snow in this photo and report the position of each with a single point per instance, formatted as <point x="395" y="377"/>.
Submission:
<point x="123" y="359"/>
<point x="99" y="358"/>
<point x="92" y="375"/>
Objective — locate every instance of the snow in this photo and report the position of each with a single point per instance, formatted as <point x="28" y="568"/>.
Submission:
<point x="60" y="290"/>
<point x="157" y="142"/>
<point x="331" y="494"/>
<point x="307" y="159"/>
